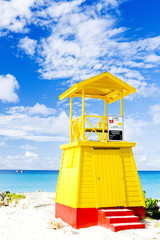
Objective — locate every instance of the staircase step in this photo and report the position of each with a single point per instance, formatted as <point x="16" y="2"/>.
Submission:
<point x="117" y="212"/>
<point x="118" y="219"/>
<point x="122" y="219"/>
<point x="115" y="227"/>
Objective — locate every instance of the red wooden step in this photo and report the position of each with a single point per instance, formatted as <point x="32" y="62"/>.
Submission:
<point x="118" y="219"/>
<point x="115" y="227"/>
<point x="117" y="212"/>
<point x="122" y="219"/>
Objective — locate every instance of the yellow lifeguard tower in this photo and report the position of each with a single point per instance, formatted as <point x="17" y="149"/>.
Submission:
<point x="98" y="181"/>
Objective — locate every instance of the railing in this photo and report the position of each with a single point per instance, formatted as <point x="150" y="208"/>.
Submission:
<point x="94" y="126"/>
<point x="76" y="129"/>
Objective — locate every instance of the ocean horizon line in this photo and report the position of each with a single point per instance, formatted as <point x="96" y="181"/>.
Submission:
<point x="23" y="169"/>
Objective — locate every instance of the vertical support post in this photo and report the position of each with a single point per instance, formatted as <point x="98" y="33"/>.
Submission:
<point x="105" y="108"/>
<point x="83" y="115"/>
<point x="71" y="138"/>
<point x="122" y="103"/>
<point x="105" y="120"/>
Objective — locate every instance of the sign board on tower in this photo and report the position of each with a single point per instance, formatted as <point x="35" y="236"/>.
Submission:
<point x="115" y="128"/>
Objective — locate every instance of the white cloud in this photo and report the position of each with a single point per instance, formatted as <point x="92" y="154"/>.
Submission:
<point x="37" y="109"/>
<point x="153" y="58"/>
<point x="112" y="3"/>
<point x="57" y="9"/>
<point x="8" y="87"/>
<point x="155" y="112"/>
<point x="29" y="154"/>
<point x="41" y="109"/>
<point x="139" y="65"/>
<point x="28" y="45"/>
<point x="15" y="14"/>
<point x="23" y="123"/>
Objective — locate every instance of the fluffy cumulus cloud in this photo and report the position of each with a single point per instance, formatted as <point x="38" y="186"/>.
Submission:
<point x="15" y="14"/>
<point x="37" y="123"/>
<point x="28" y="45"/>
<point x="37" y="109"/>
<point x="8" y="87"/>
<point x="29" y="154"/>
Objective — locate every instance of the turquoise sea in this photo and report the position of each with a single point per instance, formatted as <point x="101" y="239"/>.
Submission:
<point x="33" y="180"/>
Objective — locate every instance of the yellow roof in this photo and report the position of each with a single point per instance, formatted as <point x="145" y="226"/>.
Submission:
<point x="104" y="86"/>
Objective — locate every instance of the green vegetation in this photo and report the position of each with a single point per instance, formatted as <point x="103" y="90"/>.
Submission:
<point x="15" y="197"/>
<point x="152" y="210"/>
<point x="157" y="224"/>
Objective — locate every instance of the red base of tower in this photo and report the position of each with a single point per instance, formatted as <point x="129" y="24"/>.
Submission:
<point x="86" y="217"/>
<point x="77" y="217"/>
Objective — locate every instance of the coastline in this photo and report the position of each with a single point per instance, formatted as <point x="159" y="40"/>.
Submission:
<point x="34" y="218"/>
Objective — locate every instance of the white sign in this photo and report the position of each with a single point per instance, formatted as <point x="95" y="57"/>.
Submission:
<point x="115" y="128"/>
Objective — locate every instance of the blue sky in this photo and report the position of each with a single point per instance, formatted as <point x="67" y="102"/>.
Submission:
<point x="46" y="46"/>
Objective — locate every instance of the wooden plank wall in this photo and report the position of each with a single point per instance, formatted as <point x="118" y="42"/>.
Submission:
<point x="87" y="190"/>
<point x="133" y="191"/>
<point x="68" y="178"/>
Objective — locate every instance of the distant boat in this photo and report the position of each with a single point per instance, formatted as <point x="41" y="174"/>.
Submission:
<point x="22" y="171"/>
<point x="17" y="170"/>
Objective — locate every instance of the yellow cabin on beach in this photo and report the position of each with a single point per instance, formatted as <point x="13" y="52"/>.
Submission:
<point x="98" y="169"/>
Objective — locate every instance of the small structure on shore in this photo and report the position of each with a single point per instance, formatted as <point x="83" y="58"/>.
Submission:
<point x="98" y="180"/>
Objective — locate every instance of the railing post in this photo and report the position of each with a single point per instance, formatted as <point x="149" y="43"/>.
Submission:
<point x="71" y="138"/>
<point x="83" y="115"/>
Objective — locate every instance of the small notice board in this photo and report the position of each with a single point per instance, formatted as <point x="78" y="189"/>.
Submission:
<point x="115" y="128"/>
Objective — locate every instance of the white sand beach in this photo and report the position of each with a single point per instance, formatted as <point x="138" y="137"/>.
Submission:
<point x="33" y="217"/>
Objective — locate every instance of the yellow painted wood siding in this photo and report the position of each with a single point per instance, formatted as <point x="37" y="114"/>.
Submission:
<point x="133" y="191"/>
<point x="67" y="187"/>
<point x="78" y="184"/>
<point x="87" y="192"/>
